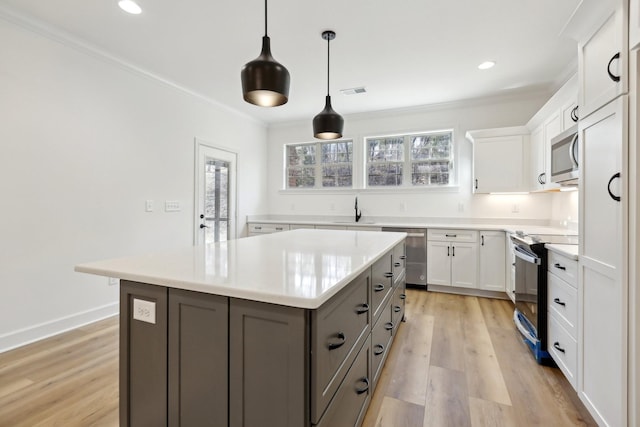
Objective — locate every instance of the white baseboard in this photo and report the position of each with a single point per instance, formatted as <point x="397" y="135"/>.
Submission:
<point x="45" y="330"/>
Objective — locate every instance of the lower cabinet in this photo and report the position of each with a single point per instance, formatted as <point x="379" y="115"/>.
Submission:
<point x="452" y="260"/>
<point x="191" y="359"/>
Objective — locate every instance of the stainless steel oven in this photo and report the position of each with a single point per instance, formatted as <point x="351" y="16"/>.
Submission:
<point x="530" y="315"/>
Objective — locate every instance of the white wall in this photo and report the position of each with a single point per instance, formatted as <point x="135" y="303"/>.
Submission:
<point x="463" y="116"/>
<point x="83" y="143"/>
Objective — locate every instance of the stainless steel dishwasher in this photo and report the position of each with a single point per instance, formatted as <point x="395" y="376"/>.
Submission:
<point x="416" y="247"/>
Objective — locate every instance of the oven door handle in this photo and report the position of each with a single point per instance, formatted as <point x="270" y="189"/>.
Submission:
<point x="527" y="256"/>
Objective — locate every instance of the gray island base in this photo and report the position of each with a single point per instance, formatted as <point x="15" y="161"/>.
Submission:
<point x="209" y="358"/>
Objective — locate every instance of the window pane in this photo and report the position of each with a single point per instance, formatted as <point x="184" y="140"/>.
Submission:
<point x="430" y="173"/>
<point x="337" y="152"/>
<point x="386" y="149"/>
<point x="431" y="146"/>
<point x="337" y="176"/>
<point x="301" y="177"/>
<point x="389" y="174"/>
<point x="300" y="155"/>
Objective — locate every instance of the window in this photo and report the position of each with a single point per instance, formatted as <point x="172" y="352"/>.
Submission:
<point x="416" y="160"/>
<point x="320" y="165"/>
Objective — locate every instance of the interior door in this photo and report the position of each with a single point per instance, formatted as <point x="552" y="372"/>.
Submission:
<point x="215" y="204"/>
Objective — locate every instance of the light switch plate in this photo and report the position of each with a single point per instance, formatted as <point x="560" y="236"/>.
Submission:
<point x="144" y="311"/>
<point x="172" y="206"/>
<point x="148" y="206"/>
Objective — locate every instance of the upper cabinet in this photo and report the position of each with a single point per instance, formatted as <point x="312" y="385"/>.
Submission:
<point x="499" y="160"/>
<point x="602" y="63"/>
<point x="557" y="115"/>
<point x="634" y="24"/>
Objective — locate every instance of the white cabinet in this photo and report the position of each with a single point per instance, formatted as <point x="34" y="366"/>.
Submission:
<point x="634" y="24"/>
<point x="602" y="63"/>
<point x="569" y="114"/>
<point x="603" y="286"/>
<point x="452" y="258"/>
<point x="562" y="309"/>
<point x="256" y="228"/>
<point x="499" y="159"/>
<point x="537" y="155"/>
<point x="492" y="274"/>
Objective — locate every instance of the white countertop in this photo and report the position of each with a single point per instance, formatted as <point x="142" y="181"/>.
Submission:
<point x="570" y="251"/>
<point x="300" y="268"/>
<point x="494" y="225"/>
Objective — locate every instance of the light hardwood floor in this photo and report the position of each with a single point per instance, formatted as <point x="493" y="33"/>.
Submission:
<point x="457" y="361"/>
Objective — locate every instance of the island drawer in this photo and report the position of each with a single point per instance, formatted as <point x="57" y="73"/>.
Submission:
<point x="381" y="284"/>
<point x="398" y="304"/>
<point x="563" y="267"/>
<point x="348" y="407"/>
<point x="338" y="329"/>
<point x="381" y="336"/>
<point x="260" y="228"/>
<point x="398" y="258"/>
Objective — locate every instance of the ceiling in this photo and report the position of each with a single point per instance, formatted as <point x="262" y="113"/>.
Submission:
<point x="406" y="52"/>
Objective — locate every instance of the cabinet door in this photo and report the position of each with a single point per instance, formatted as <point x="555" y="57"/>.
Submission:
<point x="552" y="127"/>
<point x="498" y="164"/>
<point x="603" y="290"/>
<point x="634" y="24"/>
<point x="143" y="354"/>
<point x="438" y="263"/>
<point x="569" y="115"/>
<point x="492" y="261"/>
<point x="198" y="359"/>
<point x="464" y="265"/>
<point x="602" y="64"/>
<point x="267" y="365"/>
<point x="537" y="155"/>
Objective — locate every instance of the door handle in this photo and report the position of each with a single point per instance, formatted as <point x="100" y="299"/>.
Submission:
<point x="204" y="226"/>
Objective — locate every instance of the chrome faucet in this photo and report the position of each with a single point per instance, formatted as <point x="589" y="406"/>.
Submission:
<point x="358" y="213"/>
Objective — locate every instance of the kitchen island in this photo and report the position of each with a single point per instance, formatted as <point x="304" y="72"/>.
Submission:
<point x="287" y="329"/>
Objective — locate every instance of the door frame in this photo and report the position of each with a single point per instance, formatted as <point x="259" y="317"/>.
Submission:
<point x="200" y="146"/>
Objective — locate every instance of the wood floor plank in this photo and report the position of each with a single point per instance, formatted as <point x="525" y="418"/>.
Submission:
<point x="484" y="376"/>
<point x="447" y="332"/>
<point x="397" y="413"/>
<point x="485" y="413"/>
<point x="410" y="383"/>
<point x="447" y="402"/>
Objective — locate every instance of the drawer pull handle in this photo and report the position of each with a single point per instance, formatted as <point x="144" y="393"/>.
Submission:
<point x="396" y="264"/>
<point x="611" y="75"/>
<point x="388" y="326"/>
<point x="334" y="345"/>
<point x="378" y="288"/>
<point x="388" y="275"/>
<point x="557" y="301"/>
<point x="613" y="196"/>
<point x="378" y="349"/>
<point x="403" y="296"/>
<point x="396" y="309"/>
<point x="258" y="228"/>
<point x="403" y="257"/>
<point x="279" y="228"/>
<point x="451" y="235"/>
<point x="364" y="389"/>
<point x="561" y="267"/>
<point x="556" y="345"/>
<point x="362" y="308"/>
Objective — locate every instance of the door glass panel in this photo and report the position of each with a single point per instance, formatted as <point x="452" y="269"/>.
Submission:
<point x="216" y="205"/>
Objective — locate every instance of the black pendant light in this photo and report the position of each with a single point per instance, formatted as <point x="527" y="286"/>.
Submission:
<point x="328" y="124"/>
<point x="265" y="82"/>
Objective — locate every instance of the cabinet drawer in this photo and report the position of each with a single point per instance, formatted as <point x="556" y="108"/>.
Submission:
<point x="338" y="329"/>
<point x="380" y="342"/>
<point x="563" y="349"/>
<point x="348" y="407"/>
<point x="562" y="300"/>
<point x="267" y="228"/>
<point x="563" y="267"/>
<point x="452" y="235"/>
<point x="381" y="284"/>
<point x="398" y="259"/>
<point x="397" y="305"/>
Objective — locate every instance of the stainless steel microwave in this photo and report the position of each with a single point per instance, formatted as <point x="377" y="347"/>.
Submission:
<point x="564" y="157"/>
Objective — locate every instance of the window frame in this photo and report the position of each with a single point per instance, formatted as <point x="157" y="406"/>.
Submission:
<point x="407" y="162"/>
<point x="318" y="166"/>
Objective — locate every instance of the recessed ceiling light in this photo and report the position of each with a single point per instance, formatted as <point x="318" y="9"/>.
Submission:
<point x="486" y="65"/>
<point x="130" y="6"/>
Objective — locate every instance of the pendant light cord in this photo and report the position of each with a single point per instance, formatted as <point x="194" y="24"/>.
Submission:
<point x="265" y="18"/>
<point x="328" y="59"/>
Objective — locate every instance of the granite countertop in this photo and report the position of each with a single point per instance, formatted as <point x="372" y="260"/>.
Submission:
<point x="300" y="268"/>
<point x="570" y="251"/>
